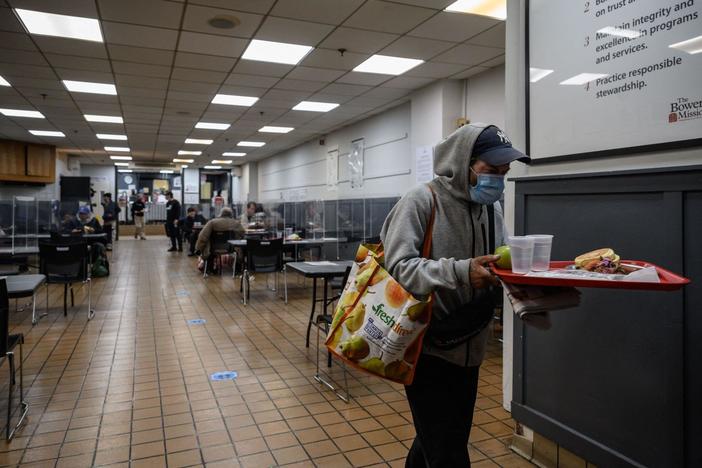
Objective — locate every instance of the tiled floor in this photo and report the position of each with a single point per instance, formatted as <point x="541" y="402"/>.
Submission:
<point x="132" y="386"/>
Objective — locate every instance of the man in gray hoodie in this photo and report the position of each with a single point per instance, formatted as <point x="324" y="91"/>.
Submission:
<point x="471" y="164"/>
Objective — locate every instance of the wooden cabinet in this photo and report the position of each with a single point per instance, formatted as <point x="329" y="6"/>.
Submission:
<point x="26" y="162"/>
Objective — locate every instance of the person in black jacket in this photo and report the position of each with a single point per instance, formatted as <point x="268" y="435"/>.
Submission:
<point x="138" y="210"/>
<point x="172" y="216"/>
<point x="109" y="216"/>
<point x="188" y="225"/>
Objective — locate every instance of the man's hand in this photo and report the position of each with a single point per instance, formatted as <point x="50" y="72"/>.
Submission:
<point x="481" y="277"/>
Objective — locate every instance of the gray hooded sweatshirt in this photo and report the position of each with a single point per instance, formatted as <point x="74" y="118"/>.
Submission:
<point x="461" y="231"/>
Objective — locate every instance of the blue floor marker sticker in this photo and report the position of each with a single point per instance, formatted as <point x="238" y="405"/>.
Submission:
<point x="197" y="322"/>
<point x="226" y="375"/>
<point x="182" y="292"/>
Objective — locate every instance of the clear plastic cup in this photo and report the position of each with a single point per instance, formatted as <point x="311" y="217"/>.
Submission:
<point x="542" y="251"/>
<point x="522" y="252"/>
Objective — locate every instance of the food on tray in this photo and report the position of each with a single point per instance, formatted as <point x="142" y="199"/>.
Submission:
<point x="602" y="261"/>
<point x="294" y="237"/>
<point x="505" y="260"/>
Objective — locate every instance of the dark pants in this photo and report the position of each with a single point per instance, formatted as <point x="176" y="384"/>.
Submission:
<point x="442" y="398"/>
<point x="174" y="233"/>
<point x="192" y="239"/>
<point x="107" y="229"/>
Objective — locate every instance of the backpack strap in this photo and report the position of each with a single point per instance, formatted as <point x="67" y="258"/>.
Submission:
<point x="426" y="244"/>
<point x="491" y="228"/>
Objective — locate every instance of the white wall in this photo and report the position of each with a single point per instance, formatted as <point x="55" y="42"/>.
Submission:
<point x="485" y="97"/>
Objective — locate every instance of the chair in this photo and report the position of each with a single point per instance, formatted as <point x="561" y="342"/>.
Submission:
<point x="8" y="343"/>
<point x="337" y="284"/>
<point x="219" y="245"/>
<point x="66" y="261"/>
<point x="263" y="256"/>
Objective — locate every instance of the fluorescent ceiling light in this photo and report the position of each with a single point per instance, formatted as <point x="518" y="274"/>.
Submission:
<point x="276" y="52"/>
<point x="233" y="153"/>
<point x="191" y="153"/>
<point x="272" y="129"/>
<point x="103" y="118"/>
<point x="315" y="106"/>
<point x="163" y="171"/>
<point x="213" y="167"/>
<point x="124" y="170"/>
<point x="387" y="65"/>
<point x="691" y="46"/>
<point x="178" y="160"/>
<point x="111" y="136"/>
<point x="4" y="82"/>
<point x="233" y="100"/>
<point x="221" y="161"/>
<point x="583" y="78"/>
<point x="196" y="141"/>
<point x="184" y="166"/>
<point x="253" y="144"/>
<point x="492" y="8"/>
<point x="47" y="133"/>
<point x="21" y="113"/>
<point x="212" y="125"/>
<point x="90" y="87"/>
<point x="51" y="24"/>
<point x="121" y="164"/>
<point x="621" y="32"/>
<point x="536" y="74"/>
<point x="121" y="158"/>
<point x="116" y="148"/>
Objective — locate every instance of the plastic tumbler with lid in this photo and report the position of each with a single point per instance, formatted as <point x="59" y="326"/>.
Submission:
<point x="522" y="251"/>
<point x="542" y="251"/>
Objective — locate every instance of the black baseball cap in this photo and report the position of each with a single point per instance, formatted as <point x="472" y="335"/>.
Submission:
<point x="494" y="147"/>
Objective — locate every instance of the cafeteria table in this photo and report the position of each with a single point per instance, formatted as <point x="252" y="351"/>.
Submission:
<point x="26" y="286"/>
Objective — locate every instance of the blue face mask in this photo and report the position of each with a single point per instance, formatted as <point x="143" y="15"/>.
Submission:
<point x="488" y="190"/>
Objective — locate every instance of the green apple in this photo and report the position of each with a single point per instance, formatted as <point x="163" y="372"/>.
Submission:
<point x="505" y="261"/>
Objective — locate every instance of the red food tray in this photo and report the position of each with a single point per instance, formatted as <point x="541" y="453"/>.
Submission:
<point x="669" y="280"/>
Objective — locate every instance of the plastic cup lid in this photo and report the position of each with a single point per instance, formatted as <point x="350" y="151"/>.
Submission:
<point x="541" y="238"/>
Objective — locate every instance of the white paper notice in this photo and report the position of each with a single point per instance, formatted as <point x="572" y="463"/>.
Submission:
<point x="332" y="169"/>
<point x="191" y="198"/>
<point x="424" y="164"/>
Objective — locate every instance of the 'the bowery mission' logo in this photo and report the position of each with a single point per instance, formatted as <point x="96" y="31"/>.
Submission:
<point x="685" y="109"/>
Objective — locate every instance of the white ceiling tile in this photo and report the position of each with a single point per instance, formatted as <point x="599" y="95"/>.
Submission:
<point x="455" y="27"/>
<point x="255" y="81"/>
<point x="292" y="31"/>
<point x="253" y="6"/>
<point x="435" y="4"/>
<point x="11" y="40"/>
<point x="387" y="93"/>
<point x="368" y="79"/>
<point x="326" y="58"/>
<point x="85" y="8"/>
<point x="79" y="63"/>
<point x="388" y="17"/>
<point x="197" y="17"/>
<point x="140" y="81"/>
<point x="140" y="55"/>
<point x="416" y="47"/>
<point x="493" y="37"/>
<point x="84" y="75"/>
<point x="13" y="70"/>
<point x="191" y="74"/>
<point x="61" y="45"/>
<point x="155" y="102"/>
<point x="469" y="72"/>
<point x="300" y="85"/>
<point x="250" y="67"/>
<point x="499" y="60"/>
<point x="194" y="87"/>
<point x="99" y="108"/>
<point x="315" y="74"/>
<point x="35" y="85"/>
<point x="158" y="13"/>
<point x="345" y="89"/>
<point x="407" y="82"/>
<point x="327" y="97"/>
<point x="25" y="57"/>
<point x="203" y="99"/>
<point x="282" y="94"/>
<point x="468" y="54"/>
<point x="239" y="91"/>
<point x="129" y="34"/>
<point x="320" y="11"/>
<point x="435" y="70"/>
<point x="9" y="22"/>
<point x="357" y="40"/>
<point x="203" y="62"/>
<point x="211" y="45"/>
<point x="141" y="69"/>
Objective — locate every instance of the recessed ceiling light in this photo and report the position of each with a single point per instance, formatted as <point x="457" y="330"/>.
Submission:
<point x="273" y="129"/>
<point x="191" y="153"/>
<point x="165" y="171"/>
<point x="492" y="8"/>
<point x="184" y="166"/>
<point x="111" y="136"/>
<point x="4" y="82"/>
<point x="536" y="74"/>
<point x="121" y="158"/>
<point x="234" y="100"/>
<point x="121" y="164"/>
<point x="212" y="125"/>
<point x="90" y="87"/>
<point x="221" y="161"/>
<point x="254" y="144"/>
<point x="116" y="148"/>
<point x="315" y="106"/>
<point x="196" y="141"/>
<point x="583" y="78"/>
<point x="387" y="65"/>
<point x="621" y="32"/>
<point x="213" y="167"/>
<point x="51" y="24"/>
<point x="103" y="118"/>
<point x="233" y="153"/>
<point x="46" y="133"/>
<point x="178" y="160"/>
<point x="124" y="170"/>
<point x="691" y="46"/>
<point x="276" y="52"/>
<point x="21" y="113"/>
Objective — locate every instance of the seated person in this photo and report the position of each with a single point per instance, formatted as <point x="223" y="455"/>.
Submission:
<point x="186" y="225"/>
<point x="90" y="225"/>
<point x="224" y="222"/>
<point x="70" y="224"/>
<point x="247" y="217"/>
